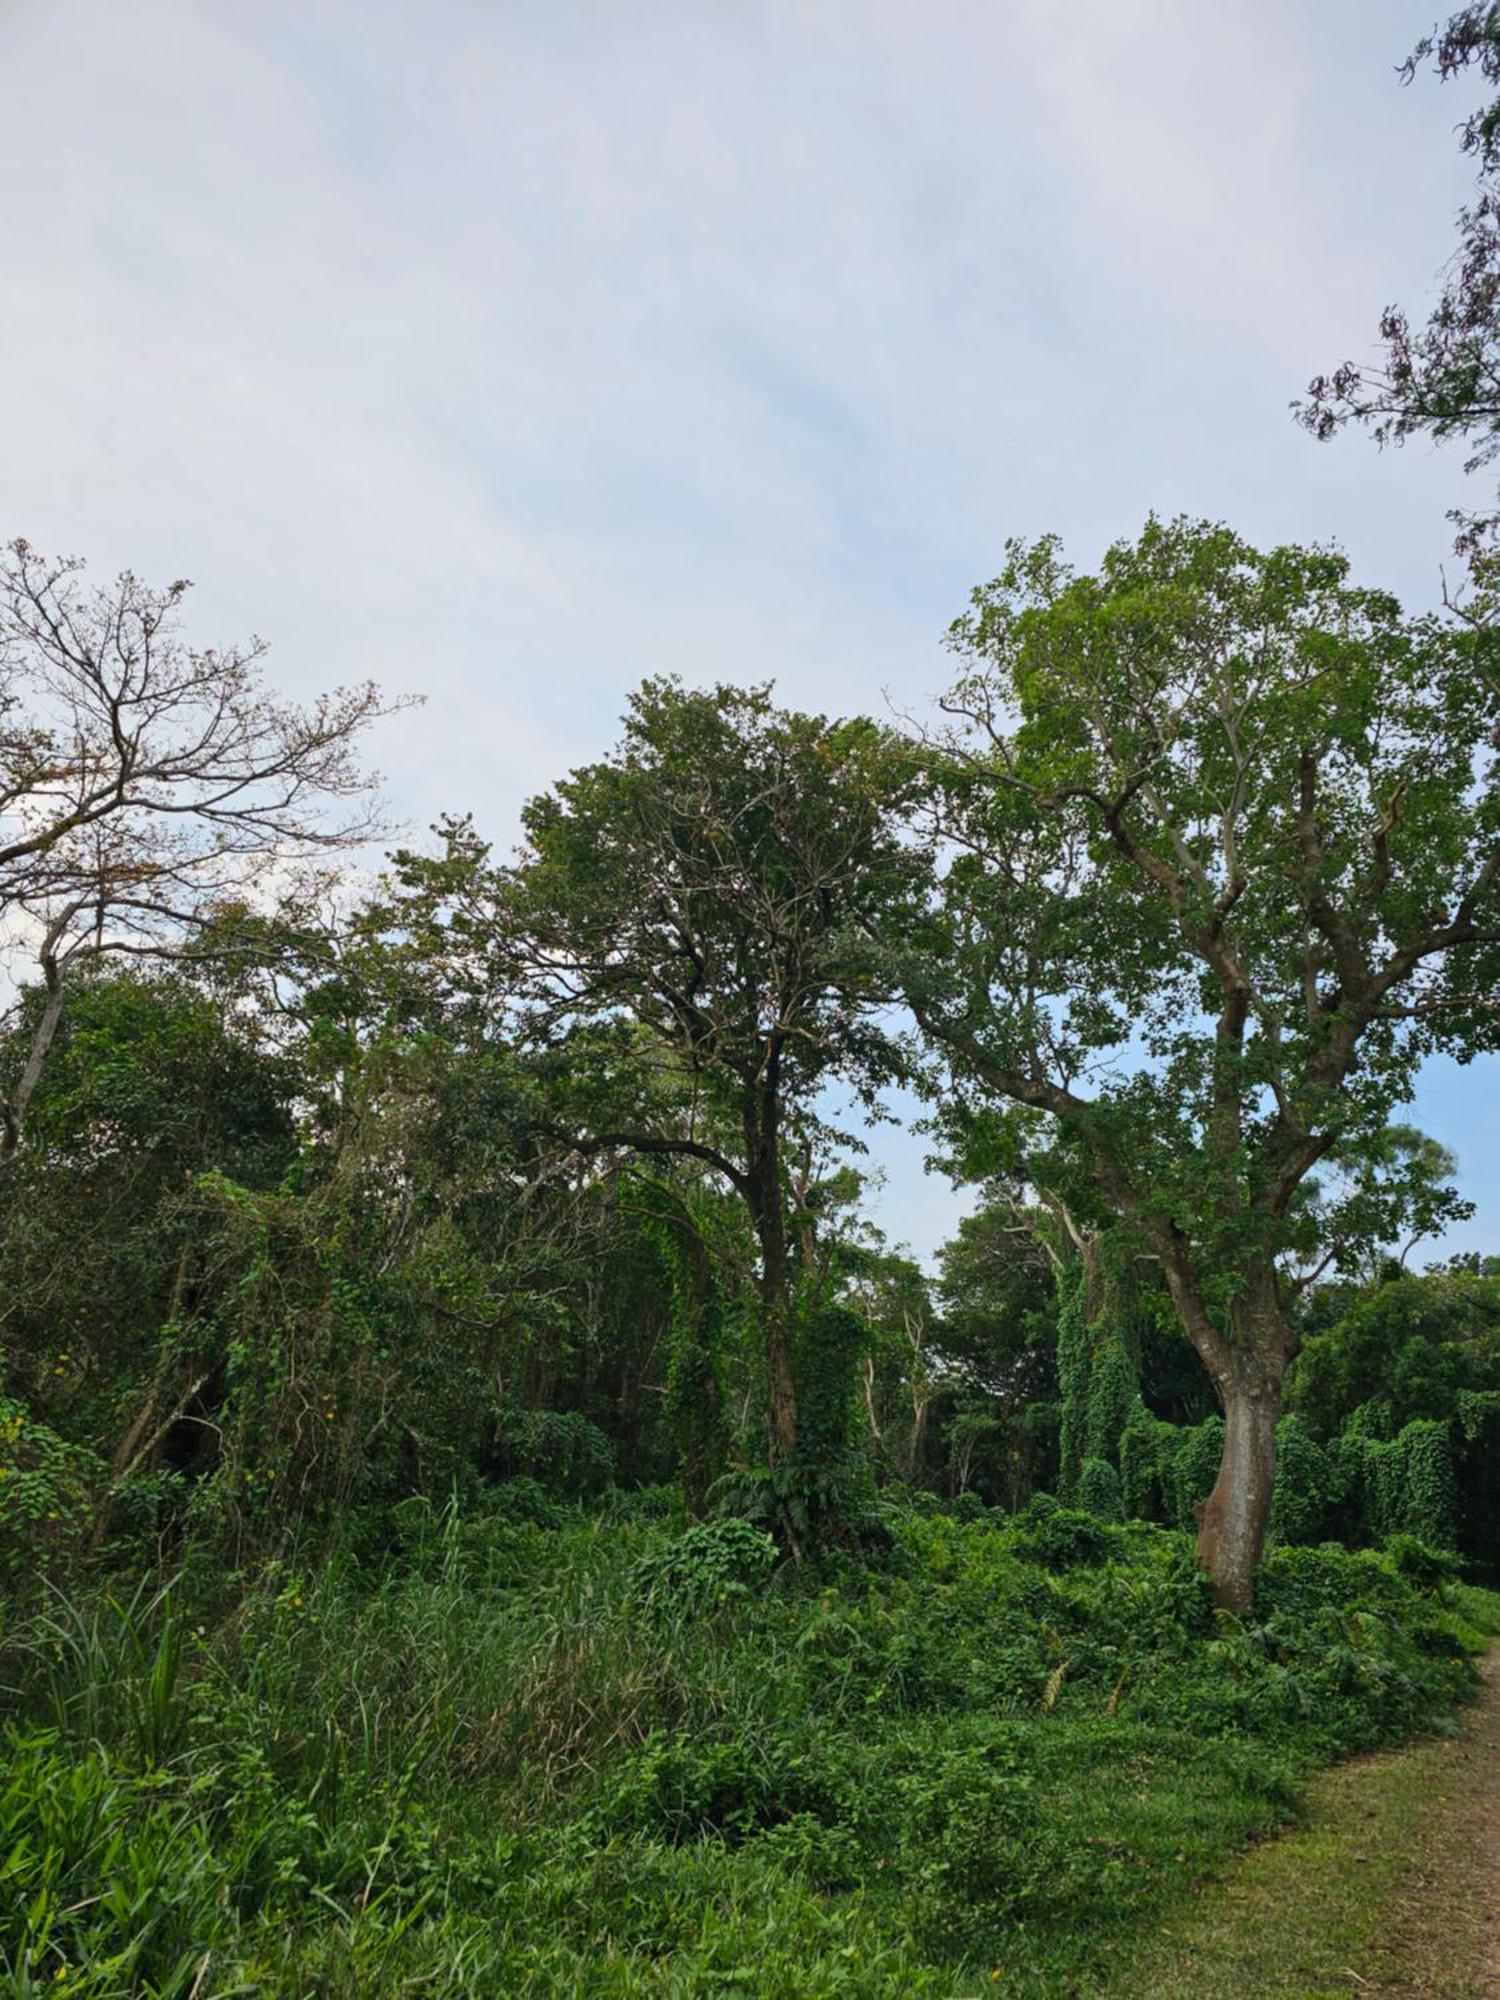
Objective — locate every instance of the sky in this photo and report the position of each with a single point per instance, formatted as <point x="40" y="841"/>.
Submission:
<point x="508" y="351"/>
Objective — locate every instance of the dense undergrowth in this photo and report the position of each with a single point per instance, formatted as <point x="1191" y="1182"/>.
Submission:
<point x="608" y="1754"/>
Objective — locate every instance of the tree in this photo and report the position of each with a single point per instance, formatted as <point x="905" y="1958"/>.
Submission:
<point x="1225" y="830"/>
<point x="144" y="782"/>
<point x="150" y="1084"/>
<point x="1414" y="1344"/>
<point x="998" y="1289"/>
<point x="1371" y="1212"/>
<point x="900" y="1382"/>
<point x="1441" y="380"/>
<point x="686" y="930"/>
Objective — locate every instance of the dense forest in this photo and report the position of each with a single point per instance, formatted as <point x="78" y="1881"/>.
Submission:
<point x="482" y="1508"/>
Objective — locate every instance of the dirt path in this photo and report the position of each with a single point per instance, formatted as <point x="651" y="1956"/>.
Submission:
<point x="1442" y="1934"/>
<point x="1392" y="1887"/>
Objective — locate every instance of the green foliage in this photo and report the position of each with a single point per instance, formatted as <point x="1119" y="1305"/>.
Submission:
<point x="1056" y="1538"/>
<point x="822" y="1498"/>
<point x="695" y="1395"/>
<point x="705" y="1568"/>
<point x="1123" y="871"/>
<point x="1099" y="1386"/>
<point x="1143" y="1449"/>
<point x="1417" y="1344"/>
<point x="1074" y="1349"/>
<point x="1413" y="1350"/>
<point x="1404" y="1484"/>
<point x="638" y="1762"/>
<point x="1434" y="380"/>
<point x="1099" y="1489"/>
<point x="48" y="1491"/>
<point x="1423" y="1566"/>
<point x="994" y="1395"/>
<point x="110" y="1883"/>
<point x="1168" y="1470"/>
<point x="332" y="1269"/>
<point x="1429" y="1499"/>
<point x="687" y="938"/>
<point x="560" y="1450"/>
<point x="1308" y="1486"/>
<point x="1193" y="1465"/>
<point x="831" y="1343"/>
<point x="1112" y="1392"/>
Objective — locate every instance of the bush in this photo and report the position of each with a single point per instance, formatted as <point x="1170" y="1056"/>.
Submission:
<point x="979" y="1856"/>
<point x="1404" y="1484"/>
<point x="1099" y="1490"/>
<point x="1423" y="1566"/>
<point x="558" y="1449"/>
<point x="1299" y="1581"/>
<point x="1066" y="1537"/>
<point x="603" y="1757"/>
<point x="1307" y="1485"/>
<point x="678" y="1788"/>
<point x="705" y="1568"/>
<point x="48" y="1490"/>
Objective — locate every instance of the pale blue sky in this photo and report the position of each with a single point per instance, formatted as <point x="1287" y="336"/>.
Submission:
<point x="509" y="352"/>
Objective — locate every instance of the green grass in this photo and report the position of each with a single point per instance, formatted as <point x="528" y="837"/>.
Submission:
<point x="1296" y="1915"/>
<point x="609" y="1758"/>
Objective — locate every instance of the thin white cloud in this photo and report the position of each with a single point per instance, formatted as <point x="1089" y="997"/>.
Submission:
<point x="510" y="352"/>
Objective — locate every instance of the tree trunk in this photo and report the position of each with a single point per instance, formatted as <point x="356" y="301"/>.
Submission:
<point x="14" y="1108"/>
<point x="781" y="1379"/>
<point x="1233" y="1520"/>
<point x="764" y="1197"/>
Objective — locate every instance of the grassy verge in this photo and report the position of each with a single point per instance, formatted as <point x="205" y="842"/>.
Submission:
<point x="1374" y="1892"/>
<point x="1301" y="1915"/>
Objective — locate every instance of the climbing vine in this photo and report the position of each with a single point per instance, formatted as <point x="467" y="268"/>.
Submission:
<point x="695" y="1391"/>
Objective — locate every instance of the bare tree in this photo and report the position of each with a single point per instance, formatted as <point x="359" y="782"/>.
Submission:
<point x="147" y="784"/>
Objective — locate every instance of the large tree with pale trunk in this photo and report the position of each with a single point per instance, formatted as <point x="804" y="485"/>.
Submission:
<point x="1224" y="840"/>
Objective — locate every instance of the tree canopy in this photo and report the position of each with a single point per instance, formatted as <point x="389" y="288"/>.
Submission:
<point x="1226" y="841"/>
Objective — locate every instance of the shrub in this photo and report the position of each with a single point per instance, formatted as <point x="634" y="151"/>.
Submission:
<point x="1404" y="1484"/>
<point x="559" y="1449"/>
<point x="977" y="1854"/>
<point x="681" y="1788"/>
<point x="705" y="1568"/>
<point x="523" y="1500"/>
<point x="48" y="1489"/>
<point x="1066" y="1537"/>
<point x="1423" y="1566"/>
<point x="618" y="1766"/>
<point x="1099" y="1490"/>
<point x="1191" y="1470"/>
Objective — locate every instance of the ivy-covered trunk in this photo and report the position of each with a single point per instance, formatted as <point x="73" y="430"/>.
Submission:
<point x="775" y="1300"/>
<point x="764" y="1197"/>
